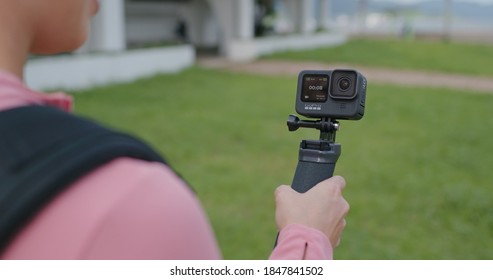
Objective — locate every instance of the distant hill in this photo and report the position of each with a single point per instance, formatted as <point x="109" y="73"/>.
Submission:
<point x="464" y="10"/>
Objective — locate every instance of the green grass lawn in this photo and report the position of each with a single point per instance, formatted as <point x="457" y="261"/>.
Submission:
<point x="439" y="56"/>
<point x="418" y="165"/>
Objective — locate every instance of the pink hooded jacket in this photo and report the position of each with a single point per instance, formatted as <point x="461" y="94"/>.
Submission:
<point x="127" y="210"/>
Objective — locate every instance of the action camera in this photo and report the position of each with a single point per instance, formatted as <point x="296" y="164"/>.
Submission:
<point x="328" y="96"/>
<point x="336" y="94"/>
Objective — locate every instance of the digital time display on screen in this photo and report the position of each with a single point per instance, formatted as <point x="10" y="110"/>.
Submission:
<point x="315" y="88"/>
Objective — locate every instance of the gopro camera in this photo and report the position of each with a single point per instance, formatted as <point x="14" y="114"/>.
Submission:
<point x="336" y="94"/>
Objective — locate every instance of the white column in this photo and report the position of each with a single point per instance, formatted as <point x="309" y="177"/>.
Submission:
<point x="236" y="23"/>
<point x="307" y="17"/>
<point x="202" y="22"/>
<point x="292" y="13"/>
<point x="244" y="11"/>
<point x="301" y="12"/>
<point x="223" y="11"/>
<point x="324" y="14"/>
<point x="108" y="27"/>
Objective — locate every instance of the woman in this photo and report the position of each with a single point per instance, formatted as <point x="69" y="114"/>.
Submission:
<point x="127" y="208"/>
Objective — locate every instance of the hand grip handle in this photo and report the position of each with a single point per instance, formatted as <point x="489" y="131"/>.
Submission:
<point x="314" y="166"/>
<point x="308" y="174"/>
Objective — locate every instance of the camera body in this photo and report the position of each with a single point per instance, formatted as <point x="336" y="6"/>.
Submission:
<point x="335" y="94"/>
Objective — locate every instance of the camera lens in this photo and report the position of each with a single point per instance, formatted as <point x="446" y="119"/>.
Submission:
<point x="344" y="84"/>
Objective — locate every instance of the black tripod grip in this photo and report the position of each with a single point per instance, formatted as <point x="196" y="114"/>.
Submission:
<point x="308" y="174"/>
<point x="316" y="162"/>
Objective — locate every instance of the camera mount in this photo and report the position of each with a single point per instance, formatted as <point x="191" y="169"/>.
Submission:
<point x="327" y="126"/>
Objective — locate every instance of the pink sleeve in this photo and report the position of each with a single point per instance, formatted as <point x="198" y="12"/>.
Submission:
<point x="298" y="242"/>
<point x="128" y="209"/>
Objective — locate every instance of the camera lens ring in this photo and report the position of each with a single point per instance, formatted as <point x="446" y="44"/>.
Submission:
<point x="344" y="84"/>
<point x="349" y="79"/>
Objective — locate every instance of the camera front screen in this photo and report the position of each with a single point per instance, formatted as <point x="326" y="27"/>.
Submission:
<point x="315" y="88"/>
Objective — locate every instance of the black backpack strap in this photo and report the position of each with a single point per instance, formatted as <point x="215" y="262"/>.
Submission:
<point x="43" y="150"/>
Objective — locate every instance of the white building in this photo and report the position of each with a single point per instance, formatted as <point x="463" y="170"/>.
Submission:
<point x="124" y="30"/>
